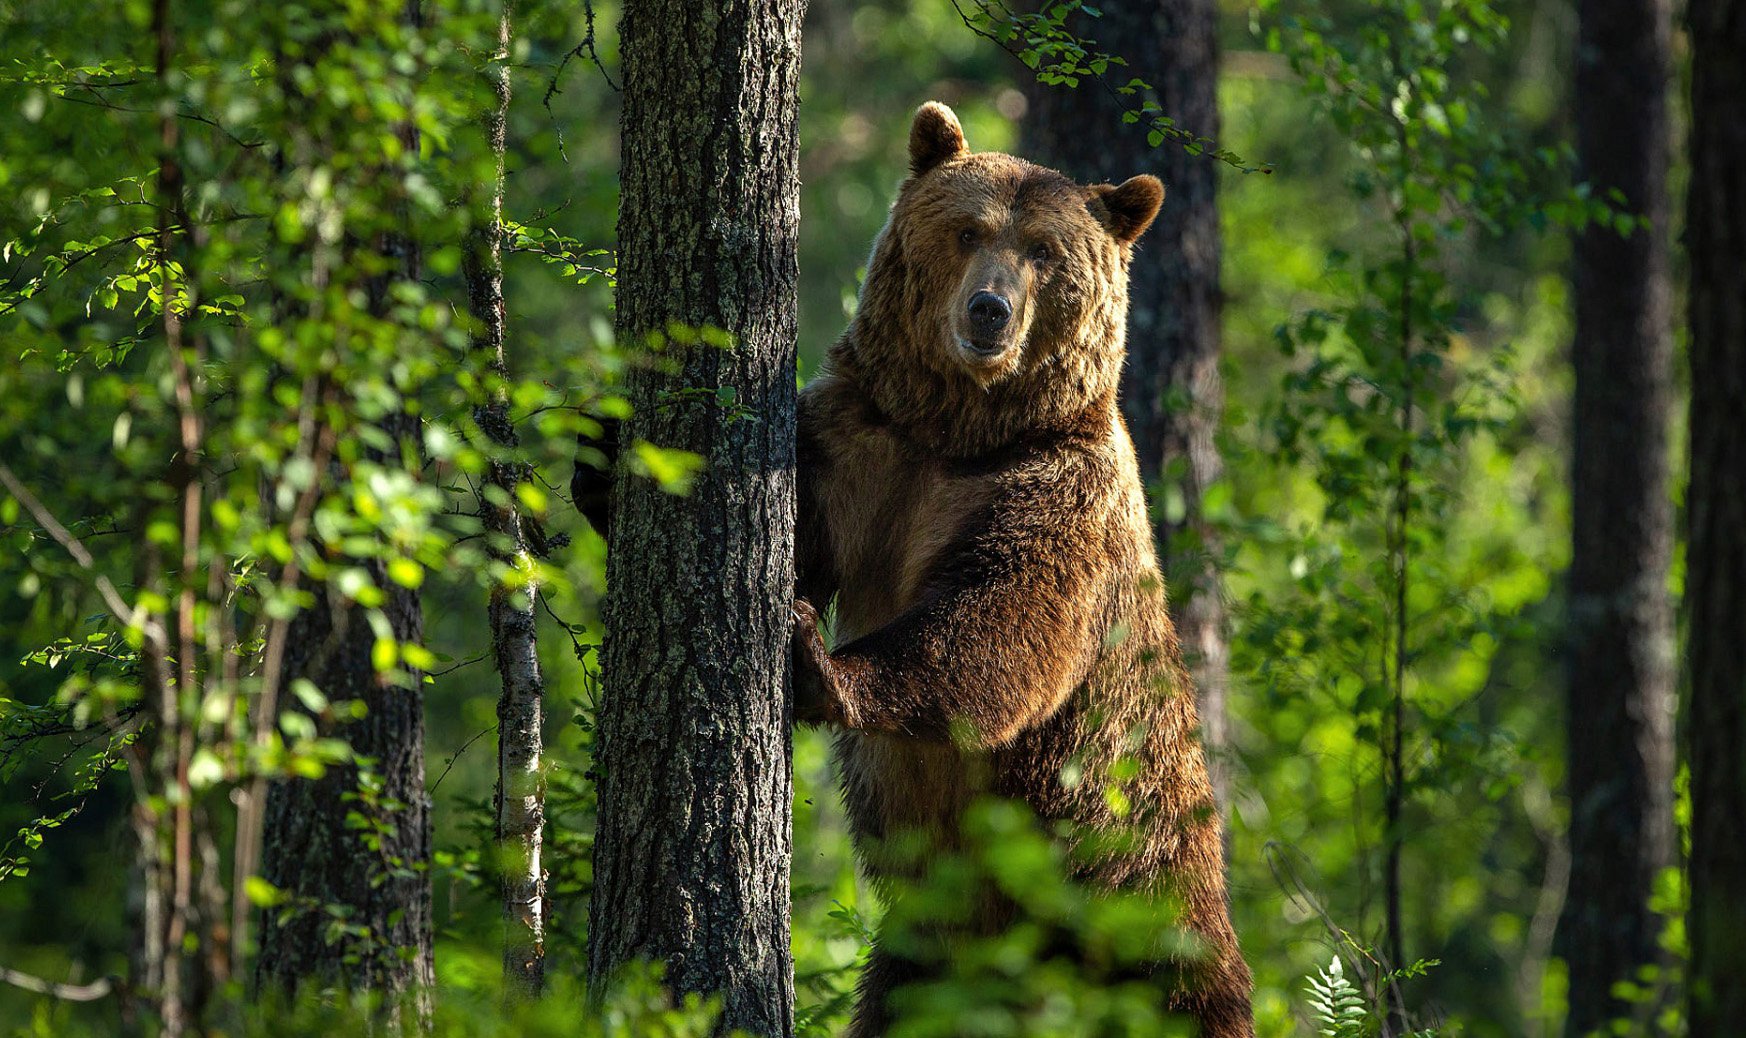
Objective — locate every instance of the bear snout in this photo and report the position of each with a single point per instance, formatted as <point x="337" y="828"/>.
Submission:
<point x="989" y="315"/>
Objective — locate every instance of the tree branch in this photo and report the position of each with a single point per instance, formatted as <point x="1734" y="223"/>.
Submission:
<point x="99" y="988"/>
<point x="44" y="518"/>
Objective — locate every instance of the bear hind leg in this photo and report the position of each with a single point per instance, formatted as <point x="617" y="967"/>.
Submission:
<point x="885" y="973"/>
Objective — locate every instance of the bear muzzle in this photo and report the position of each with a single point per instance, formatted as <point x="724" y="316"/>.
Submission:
<point x="985" y="330"/>
<point x="989" y="316"/>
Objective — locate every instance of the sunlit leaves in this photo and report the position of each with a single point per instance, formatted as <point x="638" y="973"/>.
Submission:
<point x="1043" y="41"/>
<point x="1396" y="424"/>
<point x="320" y="361"/>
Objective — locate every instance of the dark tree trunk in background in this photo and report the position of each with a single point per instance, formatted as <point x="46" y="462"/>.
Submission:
<point x="692" y="851"/>
<point x="1171" y="393"/>
<point x="377" y="876"/>
<point x="1620" y="707"/>
<point x="357" y="841"/>
<point x="1716" y="508"/>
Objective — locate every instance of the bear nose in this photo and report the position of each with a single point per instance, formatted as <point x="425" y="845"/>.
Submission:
<point x="989" y="313"/>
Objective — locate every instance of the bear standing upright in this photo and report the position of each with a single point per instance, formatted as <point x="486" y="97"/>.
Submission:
<point x="970" y="497"/>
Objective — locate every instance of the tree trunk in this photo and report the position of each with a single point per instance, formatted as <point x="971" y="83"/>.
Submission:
<point x="180" y="955"/>
<point x="1620" y="706"/>
<point x="1716" y="504"/>
<point x="341" y="842"/>
<point x="521" y="812"/>
<point x="692" y="851"/>
<point x="1171" y="392"/>
<point x="354" y="846"/>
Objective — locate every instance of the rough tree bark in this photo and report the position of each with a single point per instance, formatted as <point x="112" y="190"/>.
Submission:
<point x="521" y="811"/>
<point x="692" y="851"/>
<point x="1716" y="510"/>
<point x="1171" y="392"/>
<point x="376" y="876"/>
<point x="1620" y="696"/>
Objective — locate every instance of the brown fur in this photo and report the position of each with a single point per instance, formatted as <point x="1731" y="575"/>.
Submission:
<point x="976" y="510"/>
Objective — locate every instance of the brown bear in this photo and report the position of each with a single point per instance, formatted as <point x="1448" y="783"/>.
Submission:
<point x="970" y="498"/>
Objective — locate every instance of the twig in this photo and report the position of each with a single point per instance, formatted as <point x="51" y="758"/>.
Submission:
<point x="450" y="764"/>
<point x="111" y="597"/>
<point x="1190" y="141"/>
<point x="102" y="102"/>
<point x="585" y="47"/>
<point x="464" y="663"/>
<point x="576" y="644"/>
<point x="91" y="992"/>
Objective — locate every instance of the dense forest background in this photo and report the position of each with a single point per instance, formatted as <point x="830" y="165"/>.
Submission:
<point x="1397" y="779"/>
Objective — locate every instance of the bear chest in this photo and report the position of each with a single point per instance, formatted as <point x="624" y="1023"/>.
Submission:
<point x="890" y="517"/>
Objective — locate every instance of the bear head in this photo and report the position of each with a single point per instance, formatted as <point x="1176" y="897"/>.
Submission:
<point x="996" y="296"/>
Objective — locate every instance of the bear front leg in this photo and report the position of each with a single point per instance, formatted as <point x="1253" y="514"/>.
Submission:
<point x="818" y="695"/>
<point x="997" y="643"/>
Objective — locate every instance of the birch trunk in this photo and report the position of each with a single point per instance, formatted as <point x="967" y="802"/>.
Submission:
<point x="514" y="634"/>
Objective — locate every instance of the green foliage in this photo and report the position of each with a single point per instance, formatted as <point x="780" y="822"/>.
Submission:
<point x="1339" y="1009"/>
<point x="1417" y="159"/>
<point x="639" y="1006"/>
<point x="1069" y="961"/>
<point x="1388" y="595"/>
<point x="1042" y="40"/>
<point x="257" y="243"/>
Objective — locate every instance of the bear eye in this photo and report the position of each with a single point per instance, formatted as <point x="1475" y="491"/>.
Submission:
<point x="1041" y="254"/>
<point x="967" y="236"/>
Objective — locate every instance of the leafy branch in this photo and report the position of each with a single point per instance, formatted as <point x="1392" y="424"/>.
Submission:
<point x="1059" y="57"/>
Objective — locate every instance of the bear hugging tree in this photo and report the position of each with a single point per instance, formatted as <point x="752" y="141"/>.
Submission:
<point x="970" y="497"/>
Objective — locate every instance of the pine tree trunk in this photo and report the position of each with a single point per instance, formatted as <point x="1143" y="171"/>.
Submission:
<point x="521" y="812"/>
<point x="1716" y="510"/>
<point x="1620" y="706"/>
<point x="692" y="851"/>
<point x="1171" y="392"/>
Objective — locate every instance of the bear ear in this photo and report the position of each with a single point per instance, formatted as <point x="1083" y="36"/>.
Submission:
<point x="1128" y="209"/>
<point x="934" y="137"/>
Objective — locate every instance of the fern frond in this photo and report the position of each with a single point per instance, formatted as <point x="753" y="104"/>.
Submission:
<point x="1337" y="1007"/>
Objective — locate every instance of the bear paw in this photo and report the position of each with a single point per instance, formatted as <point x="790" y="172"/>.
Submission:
<point x="818" y="697"/>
